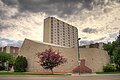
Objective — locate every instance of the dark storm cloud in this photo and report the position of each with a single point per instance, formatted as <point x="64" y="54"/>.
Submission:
<point x="51" y="7"/>
<point x="89" y="30"/>
<point x="87" y="4"/>
<point x="86" y="42"/>
<point x="10" y="2"/>
<point x="55" y="7"/>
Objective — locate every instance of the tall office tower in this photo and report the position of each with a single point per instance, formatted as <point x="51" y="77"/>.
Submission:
<point x="60" y="33"/>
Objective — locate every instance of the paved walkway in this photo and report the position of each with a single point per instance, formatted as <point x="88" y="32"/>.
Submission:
<point x="94" y="74"/>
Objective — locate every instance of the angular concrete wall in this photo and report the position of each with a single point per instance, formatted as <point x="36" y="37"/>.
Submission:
<point x="94" y="58"/>
<point x="30" y="48"/>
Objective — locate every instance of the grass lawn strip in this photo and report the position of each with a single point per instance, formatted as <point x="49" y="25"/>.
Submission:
<point x="25" y="73"/>
<point x="107" y="72"/>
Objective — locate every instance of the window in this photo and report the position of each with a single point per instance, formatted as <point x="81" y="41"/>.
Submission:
<point x="51" y="30"/>
<point x="52" y="24"/>
<point x="72" y="28"/>
<point x="68" y="35"/>
<point x="58" y="32"/>
<point x="63" y="33"/>
<point x="57" y="22"/>
<point x="51" y="19"/>
<point x="58" y="29"/>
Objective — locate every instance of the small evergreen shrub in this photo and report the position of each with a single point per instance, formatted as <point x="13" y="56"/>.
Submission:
<point x="20" y="64"/>
<point x="109" y="68"/>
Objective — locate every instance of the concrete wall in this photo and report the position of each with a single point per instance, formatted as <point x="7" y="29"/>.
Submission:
<point x="94" y="58"/>
<point x="47" y="30"/>
<point x="30" y="48"/>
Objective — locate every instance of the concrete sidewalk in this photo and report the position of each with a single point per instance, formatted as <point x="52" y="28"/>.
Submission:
<point x="84" y="74"/>
<point x="93" y="74"/>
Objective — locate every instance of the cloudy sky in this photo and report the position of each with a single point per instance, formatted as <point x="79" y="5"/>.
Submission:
<point x="96" y="20"/>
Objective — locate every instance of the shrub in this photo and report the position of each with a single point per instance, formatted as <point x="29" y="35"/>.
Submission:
<point x="20" y="64"/>
<point x="2" y="67"/>
<point x="117" y="68"/>
<point x="109" y="68"/>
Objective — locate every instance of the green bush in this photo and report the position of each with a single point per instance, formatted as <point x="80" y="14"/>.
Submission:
<point x="20" y="64"/>
<point x="117" y="68"/>
<point x="109" y="68"/>
<point x="2" y="67"/>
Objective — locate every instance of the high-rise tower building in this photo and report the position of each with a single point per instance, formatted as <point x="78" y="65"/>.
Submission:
<point x="60" y="33"/>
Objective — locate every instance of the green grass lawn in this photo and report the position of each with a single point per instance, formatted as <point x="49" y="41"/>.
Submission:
<point x="12" y="73"/>
<point x="107" y="72"/>
<point x="24" y="73"/>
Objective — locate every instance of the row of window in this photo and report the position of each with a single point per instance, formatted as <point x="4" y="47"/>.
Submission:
<point x="68" y="45"/>
<point x="63" y="41"/>
<point x="63" y="27"/>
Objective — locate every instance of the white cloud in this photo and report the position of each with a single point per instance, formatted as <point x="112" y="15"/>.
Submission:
<point x="8" y="42"/>
<point x="104" y="23"/>
<point x="30" y="26"/>
<point x="3" y="43"/>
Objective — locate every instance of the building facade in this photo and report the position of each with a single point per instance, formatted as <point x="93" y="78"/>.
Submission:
<point x="96" y="45"/>
<point x="10" y="49"/>
<point x="60" y="33"/>
<point x="93" y="58"/>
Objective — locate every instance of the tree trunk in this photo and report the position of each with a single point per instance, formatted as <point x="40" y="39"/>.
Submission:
<point x="51" y="70"/>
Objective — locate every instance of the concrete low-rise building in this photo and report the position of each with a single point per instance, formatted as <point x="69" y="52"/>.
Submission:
<point x="94" y="58"/>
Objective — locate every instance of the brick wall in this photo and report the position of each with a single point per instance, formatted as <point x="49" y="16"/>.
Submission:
<point x="82" y="68"/>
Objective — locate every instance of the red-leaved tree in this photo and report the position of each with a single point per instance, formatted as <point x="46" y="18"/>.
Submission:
<point x="50" y="59"/>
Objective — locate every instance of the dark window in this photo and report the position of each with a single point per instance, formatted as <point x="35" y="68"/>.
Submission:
<point x="51" y="20"/>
